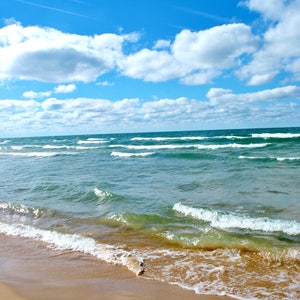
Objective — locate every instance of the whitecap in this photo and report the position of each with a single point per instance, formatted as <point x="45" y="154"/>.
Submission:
<point x="161" y="139"/>
<point x="92" y="141"/>
<point x="216" y="147"/>
<point x="126" y="154"/>
<point x="36" y="154"/>
<point x="4" y="142"/>
<point x="276" y="135"/>
<point x="22" y="209"/>
<point x="226" y="220"/>
<point x="198" y="146"/>
<point x="270" y="157"/>
<point x="101" y="194"/>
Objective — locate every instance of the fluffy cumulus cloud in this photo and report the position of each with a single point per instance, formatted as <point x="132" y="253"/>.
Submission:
<point x="46" y="54"/>
<point x="279" y="51"/>
<point x="34" y="95"/>
<point x="65" y="89"/>
<point x="60" y="89"/>
<point x="221" y="108"/>
<point x="193" y="57"/>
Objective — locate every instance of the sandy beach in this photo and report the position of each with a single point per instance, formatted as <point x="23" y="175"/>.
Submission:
<point x="30" y="270"/>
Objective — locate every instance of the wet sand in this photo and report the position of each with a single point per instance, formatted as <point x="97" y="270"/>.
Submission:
<point x="29" y="270"/>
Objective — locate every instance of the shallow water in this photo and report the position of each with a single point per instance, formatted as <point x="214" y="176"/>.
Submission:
<point x="212" y="211"/>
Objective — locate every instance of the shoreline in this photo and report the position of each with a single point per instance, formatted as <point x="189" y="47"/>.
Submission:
<point x="29" y="270"/>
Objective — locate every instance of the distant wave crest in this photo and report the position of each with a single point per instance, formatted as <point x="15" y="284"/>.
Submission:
<point x="276" y="135"/>
<point x="126" y="154"/>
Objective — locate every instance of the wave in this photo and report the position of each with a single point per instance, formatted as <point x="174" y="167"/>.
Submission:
<point x="197" y="146"/>
<point x="75" y="242"/>
<point x="37" y="154"/>
<point x="24" y="210"/>
<point x="188" y="138"/>
<point x="226" y="220"/>
<point x="4" y="142"/>
<point x="231" y="137"/>
<point x="270" y="158"/>
<point x="161" y="139"/>
<point x="276" y="135"/>
<point x="215" y="147"/>
<point x="101" y="194"/>
<point x="93" y="141"/>
<point x="21" y="147"/>
<point x="69" y="147"/>
<point x="123" y="154"/>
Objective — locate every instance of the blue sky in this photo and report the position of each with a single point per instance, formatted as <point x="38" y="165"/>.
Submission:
<point x="79" y="66"/>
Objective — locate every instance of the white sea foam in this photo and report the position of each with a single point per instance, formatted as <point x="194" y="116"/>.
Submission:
<point x="157" y="147"/>
<point x="161" y="139"/>
<point x="101" y="194"/>
<point x="198" y="146"/>
<point x="92" y="141"/>
<point x="188" y="138"/>
<point x="57" y="147"/>
<point x="37" y="154"/>
<point x="21" y="209"/>
<point x="46" y="147"/>
<point x="225" y="220"/>
<point x="76" y="242"/>
<point x="276" y="135"/>
<point x="270" y="157"/>
<point x="231" y="137"/>
<point x="124" y="154"/>
<point x="215" y="147"/>
<point x="21" y="147"/>
<point x="4" y="142"/>
<point x="17" y="148"/>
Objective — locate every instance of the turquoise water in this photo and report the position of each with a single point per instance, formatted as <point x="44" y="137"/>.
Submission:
<point x="217" y="212"/>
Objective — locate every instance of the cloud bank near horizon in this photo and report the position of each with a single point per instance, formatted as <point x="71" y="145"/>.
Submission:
<point x="222" y="107"/>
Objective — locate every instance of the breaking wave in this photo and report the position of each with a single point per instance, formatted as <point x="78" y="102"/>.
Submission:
<point x="224" y="220"/>
<point x="101" y="194"/>
<point x="275" y="135"/>
<point x="270" y="158"/>
<point x="126" y="154"/>
<point x="197" y="146"/>
<point x="62" y="241"/>
<point x="36" y="154"/>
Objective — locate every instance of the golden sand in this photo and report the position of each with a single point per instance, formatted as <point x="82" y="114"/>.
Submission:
<point x="29" y="270"/>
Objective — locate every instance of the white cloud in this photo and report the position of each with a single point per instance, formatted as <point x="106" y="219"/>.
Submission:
<point x="150" y="65"/>
<point x="218" y="96"/>
<point x="105" y="83"/>
<point x="271" y="9"/>
<point x="280" y="43"/>
<point x="65" y="89"/>
<point x="194" y="57"/>
<point x="221" y="108"/>
<point x="34" y="95"/>
<point x="217" y="47"/>
<point x="46" y="54"/>
<point x="160" y="44"/>
<point x="60" y="89"/>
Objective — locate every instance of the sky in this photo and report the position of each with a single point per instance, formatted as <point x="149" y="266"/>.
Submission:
<point x="94" y="66"/>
